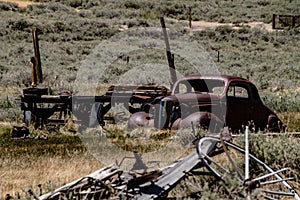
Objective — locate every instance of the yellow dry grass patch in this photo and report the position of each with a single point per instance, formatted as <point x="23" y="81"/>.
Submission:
<point x="50" y="172"/>
<point x="291" y="120"/>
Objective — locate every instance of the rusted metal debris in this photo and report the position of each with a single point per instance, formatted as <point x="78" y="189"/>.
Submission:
<point x="143" y="182"/>
<point x="114" y="183"/>
<point x="20" y="132"/>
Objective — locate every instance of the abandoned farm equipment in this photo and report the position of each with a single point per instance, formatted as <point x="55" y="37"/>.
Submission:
<point x="214" y="157"/>
<point x="43" y="109"/>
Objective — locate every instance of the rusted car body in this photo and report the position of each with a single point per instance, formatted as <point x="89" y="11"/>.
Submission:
<point x="212" y="101"/>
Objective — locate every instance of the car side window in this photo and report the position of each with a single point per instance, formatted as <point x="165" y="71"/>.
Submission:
<point x="238" y="91"/>
<point x="185" y="87"/>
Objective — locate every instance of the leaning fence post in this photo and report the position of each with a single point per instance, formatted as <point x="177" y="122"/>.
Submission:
<point x="38" y="67"/>
<point x="170" y="56"/>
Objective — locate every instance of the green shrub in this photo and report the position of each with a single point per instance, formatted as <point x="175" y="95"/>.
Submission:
<point x="48" y="8"/>
<point x="6" y="103"/>
<point x="132" y="4"/>
<point x="7" y="6"/>
<point x="10" y="115"/>
<point x="289" y="102"/>
<point x="3" y="70"/>
<point x="92" y="3"/>
<point x="278" y="152"/>
<point x="19" y="25"/>
<point x="74" y="3"/>
<point x="224" y="30"/>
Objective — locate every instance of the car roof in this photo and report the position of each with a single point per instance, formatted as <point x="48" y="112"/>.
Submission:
<point x="213" y="76"/>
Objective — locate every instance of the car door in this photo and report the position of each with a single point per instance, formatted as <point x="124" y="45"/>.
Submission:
<point x="239" y="105"/>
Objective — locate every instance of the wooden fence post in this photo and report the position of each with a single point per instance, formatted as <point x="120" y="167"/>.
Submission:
<point x="293" y="21"/>
<point x="38" y="67"/>
<point x="190" y="17"/>
<point x="33" y="72"/>
<point x="273" y="21"/>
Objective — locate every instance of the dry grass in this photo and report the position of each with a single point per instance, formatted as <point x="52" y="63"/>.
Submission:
<point x="291" y="120"/>
<point x="26" y="163"/>
<point x="19" y="175"/>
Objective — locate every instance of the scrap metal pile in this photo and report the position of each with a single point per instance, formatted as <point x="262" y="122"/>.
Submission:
<point x="112" y="182"/>
<point x="212" y="156"/>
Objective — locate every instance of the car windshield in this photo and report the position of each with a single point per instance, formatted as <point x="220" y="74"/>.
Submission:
<point x="213" y="86"/>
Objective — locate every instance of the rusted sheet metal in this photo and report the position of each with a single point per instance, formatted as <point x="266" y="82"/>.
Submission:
<point x="163" y="184"/>
<point x="114" y="182"/>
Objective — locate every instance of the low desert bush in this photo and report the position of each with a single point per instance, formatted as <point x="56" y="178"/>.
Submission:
<point x="276" y="151"/>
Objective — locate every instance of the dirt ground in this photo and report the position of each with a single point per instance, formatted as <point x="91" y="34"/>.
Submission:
<point x="200" y="25"/>
<point x="21" y="4"/>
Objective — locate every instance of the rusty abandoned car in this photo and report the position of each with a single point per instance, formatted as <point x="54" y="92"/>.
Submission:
<point x="212" y="101"/>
